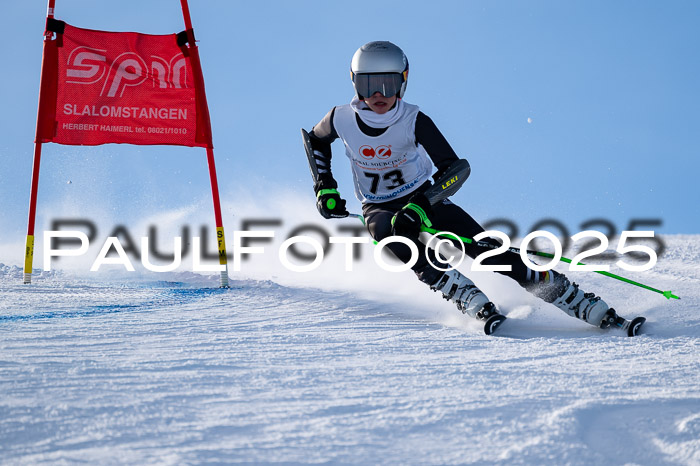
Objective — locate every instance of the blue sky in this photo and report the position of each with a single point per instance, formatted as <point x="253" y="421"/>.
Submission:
<point x="610" y="90"/>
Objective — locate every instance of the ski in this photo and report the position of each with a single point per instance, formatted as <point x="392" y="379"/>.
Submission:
<point x="493" y="322"/>
<point x="633" y="326"/>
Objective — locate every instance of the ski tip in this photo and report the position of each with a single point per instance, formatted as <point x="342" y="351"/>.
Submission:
<point x="493" y="323"/>
<point x="668" y="294"/>
<point x="635" y="325"/>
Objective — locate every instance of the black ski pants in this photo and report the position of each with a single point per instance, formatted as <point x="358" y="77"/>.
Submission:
<point x="446" y="216"/>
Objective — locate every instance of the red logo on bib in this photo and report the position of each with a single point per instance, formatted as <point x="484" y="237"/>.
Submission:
<point x="369" y="152"/>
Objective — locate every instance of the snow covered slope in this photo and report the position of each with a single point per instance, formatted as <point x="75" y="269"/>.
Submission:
<point x="180" y="372"/>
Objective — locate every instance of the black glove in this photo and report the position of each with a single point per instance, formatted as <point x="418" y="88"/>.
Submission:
<point x="328" y="200"/>
<point x="330" y="204"/>
<point x="408" y="221"/>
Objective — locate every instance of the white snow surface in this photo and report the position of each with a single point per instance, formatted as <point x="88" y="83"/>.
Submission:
<point x="169" y="369"/>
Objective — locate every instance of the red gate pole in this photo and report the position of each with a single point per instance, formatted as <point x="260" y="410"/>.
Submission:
<point x="199" y="86"/>
<point x="29" y="245"/>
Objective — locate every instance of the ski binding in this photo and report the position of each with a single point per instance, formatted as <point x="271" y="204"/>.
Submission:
<point x="632" y="327"/>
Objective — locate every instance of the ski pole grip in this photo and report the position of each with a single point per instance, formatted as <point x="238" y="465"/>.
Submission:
<point x="330" y="203"/>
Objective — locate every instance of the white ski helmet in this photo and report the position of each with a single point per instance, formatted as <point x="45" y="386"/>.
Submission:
<point x="379" y="66"/>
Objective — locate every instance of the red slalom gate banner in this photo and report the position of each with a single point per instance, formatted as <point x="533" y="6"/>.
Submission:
<point x="120" y="87"/>
<point x="102" y="87"/>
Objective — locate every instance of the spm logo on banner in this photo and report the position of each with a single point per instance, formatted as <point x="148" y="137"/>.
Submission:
<point x="87" y="65"/>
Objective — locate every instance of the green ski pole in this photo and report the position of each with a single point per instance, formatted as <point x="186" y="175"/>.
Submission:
<point x="666" y="294"/>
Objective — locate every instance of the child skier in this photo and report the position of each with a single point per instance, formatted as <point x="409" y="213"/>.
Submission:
<point x="392" y="147"/>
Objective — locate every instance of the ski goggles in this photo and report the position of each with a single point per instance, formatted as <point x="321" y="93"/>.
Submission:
<point x="387" y="84"/>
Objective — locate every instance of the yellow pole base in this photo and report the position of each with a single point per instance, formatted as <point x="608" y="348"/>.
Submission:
<point x="28" y="259"/>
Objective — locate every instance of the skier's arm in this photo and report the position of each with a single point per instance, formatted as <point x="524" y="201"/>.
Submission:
<point x="321" y="136"/>
<point x="429" y="136"/>
<point x="328" y="200"/>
